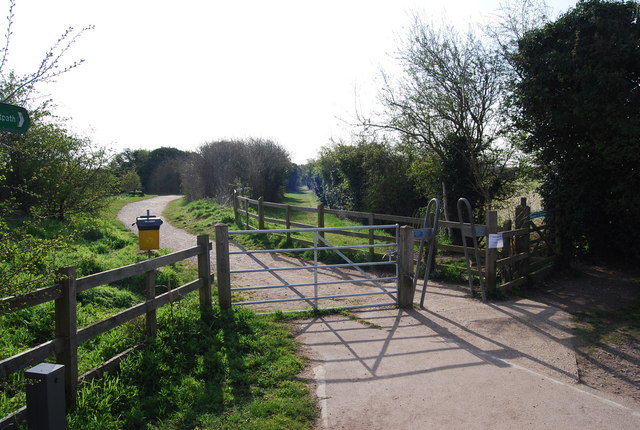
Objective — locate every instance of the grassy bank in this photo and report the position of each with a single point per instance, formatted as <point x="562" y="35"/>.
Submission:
<point x="240" y="371"/>
<point x="201" y="216"/>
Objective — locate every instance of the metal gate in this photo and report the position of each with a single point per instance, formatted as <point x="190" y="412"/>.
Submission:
<point x="326" y="284"/>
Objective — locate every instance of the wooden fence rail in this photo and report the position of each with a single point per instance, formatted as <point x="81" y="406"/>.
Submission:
<point x="68" y="337"/>
<point x="524" y="240"/>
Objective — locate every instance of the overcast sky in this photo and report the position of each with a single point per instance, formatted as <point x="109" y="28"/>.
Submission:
<point x="168" y="73"/>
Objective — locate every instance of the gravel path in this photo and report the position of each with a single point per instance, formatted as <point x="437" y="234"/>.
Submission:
<point x="171" y="238"/>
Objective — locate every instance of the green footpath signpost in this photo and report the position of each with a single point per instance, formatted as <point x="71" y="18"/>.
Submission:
<point x="14" y="118"/>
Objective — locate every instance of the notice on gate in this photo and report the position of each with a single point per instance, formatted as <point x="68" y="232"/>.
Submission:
<point x="496" y="241"/>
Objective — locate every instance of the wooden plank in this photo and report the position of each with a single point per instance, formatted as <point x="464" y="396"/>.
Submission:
<point x="399" y="219"/>
<point x="151" y="319"/>
<point x="108" y="366"/>
<point x="363" y="235"/>
<point x="13" y="420"/>
<point x="345" y="213"/>
<point x="260" y="213"/>
<point x="134" y="269"/>
<point x="450" y="248"/>
<point x="33" y="298"/>
<point x="405" y="267"/>
<point x="302" y="241"/>
<point x="287" y="223"/>
<point x="491" y="254"/>
<point x="204" y="275"/>
<point x="127" y="315"/>
<point x="515" y="283"/>
<point x="512" y="259"/>
<point x="274" y="205"/>
<point x="275" y="221"/>
<point x="542" y="236"/>
<point x="300" y="225"/>
<point x="30" y="357"/>
<point x="540" y="274"/>
<point x="544" y="260"/>
<point x="222" y="266"/>
<point x="303" y="209"/>
<point x="66" y="329"/>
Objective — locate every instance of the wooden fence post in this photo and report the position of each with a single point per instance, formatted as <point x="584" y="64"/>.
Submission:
<point x="370" y="220"/>
<point x="260" y="213"/>
<point x="405" y="267"/>
<point x="522" y="242"/>
<point x="321" y="218"/>
<point x="507" y="251"/>
<point x="236" y="214"/>
<point x="204" y="273"/>
<point x="222" y="266"/>
<point x="287" y="216"/>
<point x="246" y="213"/>
<point x="491" y="254"/>
<point x="66" y="328"/>
<point x="150" y="289"/>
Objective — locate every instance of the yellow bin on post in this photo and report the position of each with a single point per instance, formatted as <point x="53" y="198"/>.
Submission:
<point x="148" y="232"/>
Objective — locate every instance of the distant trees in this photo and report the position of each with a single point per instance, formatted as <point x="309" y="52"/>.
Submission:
<point x="216" y="168"/>
<point x="161" y="171"/>
<point x="366" y="176"/>
<point x="578" y="98"/>
<point x="158" y="171"/>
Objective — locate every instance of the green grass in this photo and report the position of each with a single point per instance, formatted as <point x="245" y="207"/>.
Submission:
<point x="201" y="216"/>
<point x="238" y="371"/>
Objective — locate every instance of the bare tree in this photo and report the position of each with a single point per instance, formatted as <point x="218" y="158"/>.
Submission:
<point x="217" y="167"/>
<point x="18" y="89"/>
<point x="449" y="103"/>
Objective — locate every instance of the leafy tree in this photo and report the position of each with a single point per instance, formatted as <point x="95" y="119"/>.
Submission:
<point x="58" y="174"/>
<point x="578" y="100"/>
<point x="129" y="160"/>
<point x="24" y="262"/>
<point x="130" y="181"/>
<point x="160" y="171"/>
<point x="366" y="176"/>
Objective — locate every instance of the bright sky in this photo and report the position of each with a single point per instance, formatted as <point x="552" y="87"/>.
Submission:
<point x="182" y="73"/>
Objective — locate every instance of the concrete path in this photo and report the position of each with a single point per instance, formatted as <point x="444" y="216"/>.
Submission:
<point x="457" y="364"/>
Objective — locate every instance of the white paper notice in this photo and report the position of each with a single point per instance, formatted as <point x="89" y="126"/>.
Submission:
<point x="496" y="241"/>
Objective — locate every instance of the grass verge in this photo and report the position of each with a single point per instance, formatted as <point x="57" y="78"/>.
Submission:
<point x="239" y="371"/>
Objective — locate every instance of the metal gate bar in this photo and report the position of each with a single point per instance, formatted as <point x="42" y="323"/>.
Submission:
<point x="313" y="300"/>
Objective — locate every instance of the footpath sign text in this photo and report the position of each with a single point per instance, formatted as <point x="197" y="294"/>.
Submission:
<point x="14" y="118"/>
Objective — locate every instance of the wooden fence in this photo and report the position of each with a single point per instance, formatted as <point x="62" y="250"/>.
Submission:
<point x="69" y="337"/>
<point x="526" y="241"/>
